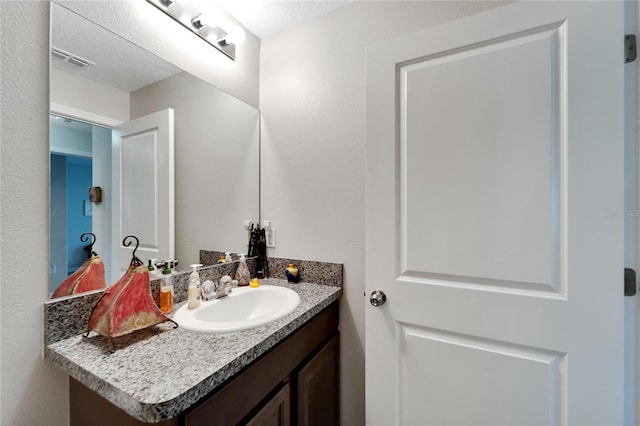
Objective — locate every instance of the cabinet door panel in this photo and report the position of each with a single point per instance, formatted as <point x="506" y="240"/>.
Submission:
<point x="318" y="388"/>
<point x="234" y="401"/>
<point x="276" y="412"/>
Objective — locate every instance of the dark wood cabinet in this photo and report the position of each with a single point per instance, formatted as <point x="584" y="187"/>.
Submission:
<point x="317" y="385"/>
<point x="276" y="412"/>
<point x="294" y="383"/>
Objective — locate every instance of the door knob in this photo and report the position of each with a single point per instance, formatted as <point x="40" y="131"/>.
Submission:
<point x="378" y="298"/>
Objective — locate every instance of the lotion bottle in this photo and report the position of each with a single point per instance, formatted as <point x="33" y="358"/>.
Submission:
<point x="194" y="287"/>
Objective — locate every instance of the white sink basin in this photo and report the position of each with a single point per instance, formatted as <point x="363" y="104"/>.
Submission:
<point x="243" y="308"/>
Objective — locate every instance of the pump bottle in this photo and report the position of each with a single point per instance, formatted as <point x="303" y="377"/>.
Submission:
<point x="194" y="287"/>
<point x="242" y="273"/>
<point x="166" y="290"/>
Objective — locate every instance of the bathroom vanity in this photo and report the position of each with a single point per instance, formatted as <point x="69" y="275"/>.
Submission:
<point x="284" y="372"/>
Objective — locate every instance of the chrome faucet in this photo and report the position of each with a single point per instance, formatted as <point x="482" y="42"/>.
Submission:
<point x="207" y="290"/>
<point x="223" y="287"/>
<point x="211" y="290"/>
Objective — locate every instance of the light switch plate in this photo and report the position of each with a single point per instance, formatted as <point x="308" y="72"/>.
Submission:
<point x="270" y="234"/>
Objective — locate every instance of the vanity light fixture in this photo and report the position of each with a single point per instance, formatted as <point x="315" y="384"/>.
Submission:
<point x="191" y="18"/>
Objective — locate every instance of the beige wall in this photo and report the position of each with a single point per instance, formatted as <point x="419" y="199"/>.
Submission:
<point x="312" y="97"/>
<point x="32" y="391"/>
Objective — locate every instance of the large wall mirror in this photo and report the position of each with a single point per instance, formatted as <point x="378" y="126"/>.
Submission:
<point x="99" y="81"/>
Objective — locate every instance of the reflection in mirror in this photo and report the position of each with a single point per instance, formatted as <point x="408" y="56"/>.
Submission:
<point x="71" y="212"/>
<point x="216" y="147"/>
<point x="87" y="277"/>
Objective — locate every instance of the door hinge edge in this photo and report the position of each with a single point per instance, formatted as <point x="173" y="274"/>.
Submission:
<point x="629" y="48"/>
<point x="629" y="282"/>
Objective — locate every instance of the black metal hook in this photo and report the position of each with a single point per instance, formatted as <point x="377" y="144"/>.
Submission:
<point x="84" y="238"/>
<point x="134" y="260"/>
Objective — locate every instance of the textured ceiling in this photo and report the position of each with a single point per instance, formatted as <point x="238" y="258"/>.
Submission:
<point x="118" y="62"/>
<point x="268" y="17"/>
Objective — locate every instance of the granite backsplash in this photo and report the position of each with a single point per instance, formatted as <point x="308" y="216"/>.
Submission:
<point x="326" y="273"/>
<point x="69" y="316"/>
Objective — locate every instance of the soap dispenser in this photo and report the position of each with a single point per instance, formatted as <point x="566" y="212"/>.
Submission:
<point x="242" y="273"/>
<point x="151" y="268"/>
<point x="166" y="290"/>
<point x="154" y="270"/>
<point x="194" y="287"/>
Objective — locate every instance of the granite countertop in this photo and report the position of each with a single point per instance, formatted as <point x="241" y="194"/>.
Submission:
<point x="157" y="373"/>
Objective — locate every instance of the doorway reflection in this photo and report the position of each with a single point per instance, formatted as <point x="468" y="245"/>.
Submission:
<point x="73" y="162"/>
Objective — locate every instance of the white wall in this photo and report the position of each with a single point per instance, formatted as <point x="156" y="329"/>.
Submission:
<point x="217" y="163"/>
<point x="312" y="98"/>
<point x="77" y="93"/>
<point x="32" y="391"/>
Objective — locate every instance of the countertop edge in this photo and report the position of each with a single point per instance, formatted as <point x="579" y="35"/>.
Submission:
<point x="200" y="390"/>
<point x="156" y="412"/>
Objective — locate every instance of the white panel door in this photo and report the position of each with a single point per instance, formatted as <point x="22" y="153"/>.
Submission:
<point x="143" y="204"/>
<point x="494" y="151"/>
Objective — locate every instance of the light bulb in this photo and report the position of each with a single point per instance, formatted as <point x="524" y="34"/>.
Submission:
<point x="183" y="12"/>
<point x="213" y="34"/>
<point x="235" y="35"/>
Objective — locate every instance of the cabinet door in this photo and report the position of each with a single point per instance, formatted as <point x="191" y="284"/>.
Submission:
<point x="318" y="388"/>
<point x="275" y="412"/>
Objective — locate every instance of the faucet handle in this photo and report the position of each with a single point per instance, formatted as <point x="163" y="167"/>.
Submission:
<point x="224" y="287"/>
<point x="225" y="280"/>
<point x="208" y="289"/>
